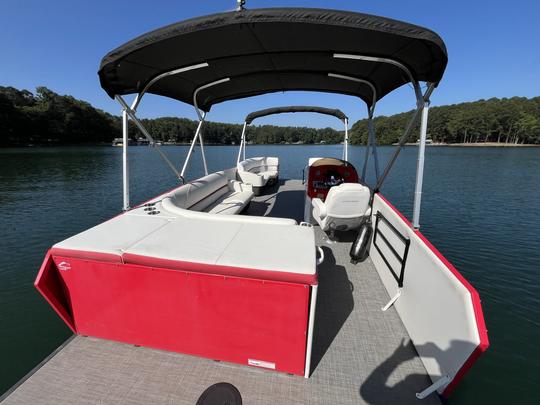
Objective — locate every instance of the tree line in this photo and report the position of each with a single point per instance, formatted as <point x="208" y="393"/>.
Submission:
<point x="513" y="120"/>
<point x="45" y="117"/>
<point x="49" y="118"/>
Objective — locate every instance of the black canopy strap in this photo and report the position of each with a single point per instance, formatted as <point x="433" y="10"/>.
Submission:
<point x="253" y="48"/>
<point x="295" y="109"/>
<point x="371" y="148"/>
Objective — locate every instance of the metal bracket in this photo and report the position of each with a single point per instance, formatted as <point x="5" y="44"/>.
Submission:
<point x="392" y="300"/>
<point x="441" y="382"/>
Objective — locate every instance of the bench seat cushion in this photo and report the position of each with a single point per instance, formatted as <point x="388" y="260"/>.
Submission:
<point x="108" y="240"/>
<point x="260" y="251"/>
<point x="268" y="174"/>
<point x="231" y="204"/>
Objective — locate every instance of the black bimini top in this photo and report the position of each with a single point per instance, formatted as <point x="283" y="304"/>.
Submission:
<point x="295" y="109"/>
<point x="269" y="50"/>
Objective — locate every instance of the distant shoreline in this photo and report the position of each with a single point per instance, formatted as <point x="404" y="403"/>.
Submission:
<point x="102" y="144"/>
<point x="490" y="144"/>
<point x="480" y="145"/>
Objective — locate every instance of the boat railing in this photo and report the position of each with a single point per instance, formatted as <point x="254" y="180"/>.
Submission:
<point x="401" y="258"/>
<point x="439" y="308"/>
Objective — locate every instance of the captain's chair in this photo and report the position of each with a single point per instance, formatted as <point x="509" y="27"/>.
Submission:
<point x="344" y="207"/>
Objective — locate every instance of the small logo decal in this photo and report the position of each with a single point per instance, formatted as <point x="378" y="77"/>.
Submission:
<point x="260" y="363"/>
<point x="64" y="266"/>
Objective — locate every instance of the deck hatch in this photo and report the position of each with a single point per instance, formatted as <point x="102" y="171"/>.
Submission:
<point x="400" y="257"/>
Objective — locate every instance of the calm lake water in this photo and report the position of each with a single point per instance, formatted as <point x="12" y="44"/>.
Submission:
<point x="481" y="208"/>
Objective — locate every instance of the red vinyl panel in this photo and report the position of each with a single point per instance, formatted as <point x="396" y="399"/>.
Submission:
<point x="50" y="284"/>
<point x="219" y="317"/>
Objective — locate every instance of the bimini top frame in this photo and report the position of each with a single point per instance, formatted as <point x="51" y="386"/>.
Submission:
<point x="226" y="56"/>
<point x="294" y="109"/>
<point x="253" y="48"/>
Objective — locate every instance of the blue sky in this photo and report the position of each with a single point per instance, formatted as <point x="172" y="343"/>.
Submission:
<point x="493" y="46"/>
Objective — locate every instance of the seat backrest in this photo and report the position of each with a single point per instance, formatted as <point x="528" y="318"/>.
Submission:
<point x="200" y="193"/>
<point x="348" y="200"/>
<point x="258" y="164"/>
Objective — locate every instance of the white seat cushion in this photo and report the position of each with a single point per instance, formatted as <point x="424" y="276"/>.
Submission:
<point x="230" y="248"/>
<point x="344" y="207"/>
<point x="258" y="170"/>
<point x="200" y="193"/>
<point x="214" y="193"/>
<point x="231" y="204"/>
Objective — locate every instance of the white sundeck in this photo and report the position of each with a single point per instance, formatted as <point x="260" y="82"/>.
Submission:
<point x="226" y="268"/>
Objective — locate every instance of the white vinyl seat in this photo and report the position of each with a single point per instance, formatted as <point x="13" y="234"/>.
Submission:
<point x="214" y="193"/>
<point x="344" y="207"/>
<point x="258" y="171"/>
<point x="232" y="204"/>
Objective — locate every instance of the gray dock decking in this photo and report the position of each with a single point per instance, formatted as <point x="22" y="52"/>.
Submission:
<point x="361" y="355"/>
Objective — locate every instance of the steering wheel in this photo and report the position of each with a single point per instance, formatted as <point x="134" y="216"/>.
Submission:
<point x="333" y="178"/>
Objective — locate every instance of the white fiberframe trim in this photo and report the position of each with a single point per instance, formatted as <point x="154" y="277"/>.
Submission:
<point x="311" y="323"/>
<point x="443" y="337"/>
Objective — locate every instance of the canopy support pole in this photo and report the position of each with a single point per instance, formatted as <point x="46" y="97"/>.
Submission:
<point x="421" y="157"/>
<point x="402" y="141"/>
<point x="244" y="151"/>
<point x="133" y="117"/>
<point x="408" y="129"/>
<point x="198" y="132"/>
<point x="242" y="141"/>
<point x="125" y="166"/>
<point x="346" y="141"/>
<point x="202" y="150"/>
<point x="374" y="145"/>
<point x="366" y="158"/>
<point x="195" y="137"/>
<point x="371" y="143"/>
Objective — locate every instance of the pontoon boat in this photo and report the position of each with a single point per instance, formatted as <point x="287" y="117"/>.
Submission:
<point x="225" y="279"/>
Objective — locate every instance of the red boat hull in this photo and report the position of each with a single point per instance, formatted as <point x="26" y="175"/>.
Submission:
<point x="241" y="320"/>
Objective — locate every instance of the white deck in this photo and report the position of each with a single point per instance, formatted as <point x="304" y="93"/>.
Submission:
<point x="361" y="355"/>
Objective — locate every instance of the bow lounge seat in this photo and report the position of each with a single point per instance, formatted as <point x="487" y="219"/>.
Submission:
<point x="258" y="172"/>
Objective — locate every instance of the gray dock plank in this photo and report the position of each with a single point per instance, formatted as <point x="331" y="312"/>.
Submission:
<point x="361" y="355"/>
